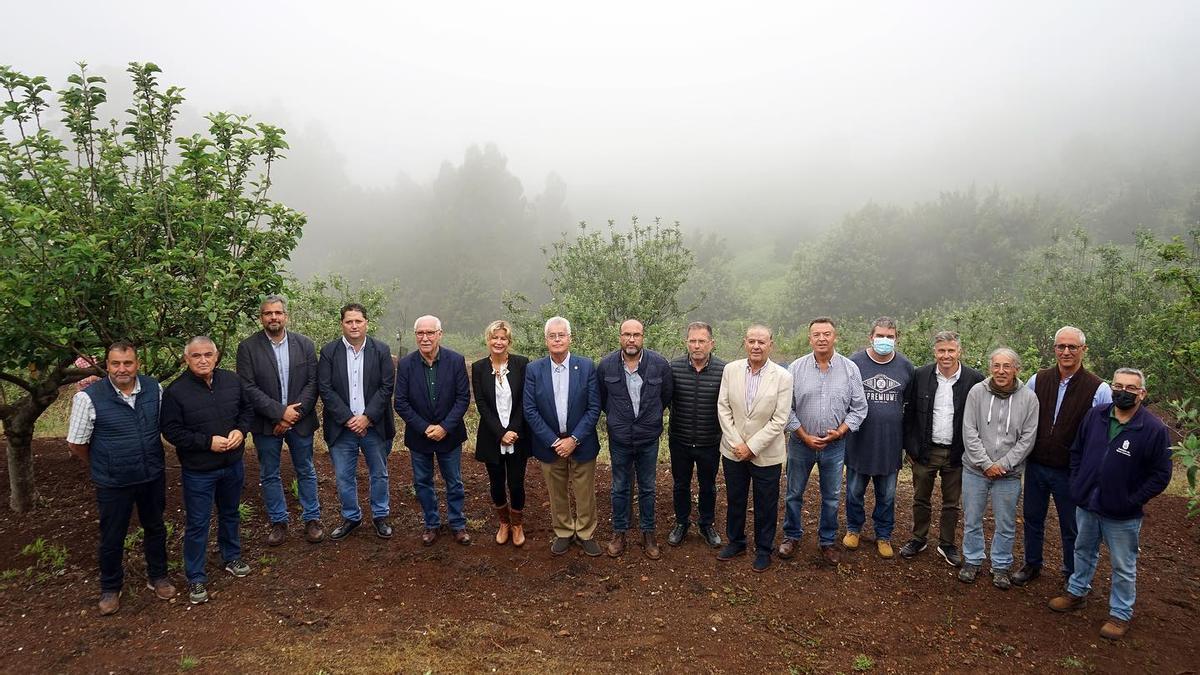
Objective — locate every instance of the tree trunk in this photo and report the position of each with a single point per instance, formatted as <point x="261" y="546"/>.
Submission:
<point x="18" y="430"/>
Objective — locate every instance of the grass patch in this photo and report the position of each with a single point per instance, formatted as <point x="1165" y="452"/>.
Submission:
<point x="188" y="662"/>
<point x="863" y="663"/>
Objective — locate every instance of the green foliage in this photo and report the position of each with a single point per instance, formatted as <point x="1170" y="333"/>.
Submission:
<point x="121" y="230"/>
<point x="314" y="306"/>
<point x="1187" y="450"/>
<point x="187" y="662"/>
<point x="598" y="281"/>
<point x="295" y="489"/>
<point x="51" y="559"/>
<point x="134" y="538"/>
<point x="863" y="663"/>
<point x="245" y="512"/>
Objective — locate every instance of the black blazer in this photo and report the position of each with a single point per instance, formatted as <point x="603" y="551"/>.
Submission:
<point x="259" y="371"/>
<point x="483" y="384"/>
<point x="379" y="376"/>
<point x="918" y="412"/>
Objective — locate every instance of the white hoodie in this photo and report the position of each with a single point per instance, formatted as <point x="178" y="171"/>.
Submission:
<point x="999" y="430"/>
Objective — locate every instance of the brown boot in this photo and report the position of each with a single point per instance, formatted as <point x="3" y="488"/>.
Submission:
<point x="650" y="546"/>
<point x="616" y="547"/>
<point x="517" y="519"/>
<point x="502" y="534"/>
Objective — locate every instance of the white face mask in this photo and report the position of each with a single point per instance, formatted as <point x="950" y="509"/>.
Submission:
<point x="883" y="346"/>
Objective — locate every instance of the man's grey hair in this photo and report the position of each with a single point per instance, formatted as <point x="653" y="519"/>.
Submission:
<point x="759" y="326"/>
<point x="1071" y="329"/>
<point x="884" y="322"/>
<point x="1132" y="371"/>
<point x="1005" y="351"/>
<point x="556" y="320"/>
<point x="272" y="299"/>
<point x="199" y="340"/>
<point x="946" y="336"/>
<point x="699" y="325"/>
<point x="437" y="323"/>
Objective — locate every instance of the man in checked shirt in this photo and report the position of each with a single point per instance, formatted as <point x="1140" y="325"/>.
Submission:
<point x="827" y="404"/>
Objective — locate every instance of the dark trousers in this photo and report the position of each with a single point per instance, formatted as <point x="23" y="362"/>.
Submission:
<point x="706" y="459"/>
<point x="116" y="507"/>
<point x="923" y="476"/>
<point x="201" y="489"/>
<point x="1042" y="482"/>
<point x="738" y="478"/>
<point x="510" y="472"/>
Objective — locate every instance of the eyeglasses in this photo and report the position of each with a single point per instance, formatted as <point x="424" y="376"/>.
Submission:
<point x="557" y="336"/>
<point x="1131" y="388"/>
<point x="427" y="333"/>
<point x="1067" y="348"/>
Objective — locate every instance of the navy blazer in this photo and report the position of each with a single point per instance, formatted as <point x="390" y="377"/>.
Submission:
<point x="624" y="428"/>
<point x="418" y="412"/>
<point x="334" y="382"/>
<point x="259" y="370"/>
<point x="583" y="408"/>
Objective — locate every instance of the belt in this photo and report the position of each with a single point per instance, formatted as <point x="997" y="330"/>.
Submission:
<point x="942" y="445"/>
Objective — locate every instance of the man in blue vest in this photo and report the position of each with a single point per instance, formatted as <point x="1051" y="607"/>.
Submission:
<point x="114" y="428"/>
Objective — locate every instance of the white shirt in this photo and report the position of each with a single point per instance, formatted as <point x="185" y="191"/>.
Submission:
<point x="83" y="411"/>
<point x="504" y="401"/>
<point x="354" y="375"/>
<point x="560" y="377"/>
<point x="943" y="407"/>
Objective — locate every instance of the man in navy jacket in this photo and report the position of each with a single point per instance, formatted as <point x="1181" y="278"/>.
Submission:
<point x="432" y="395"/>
<point x="635" y="387"/>
<point x="355" y="376"/>
<point x="561" y="401"/>
<point x="1121" y="458"/>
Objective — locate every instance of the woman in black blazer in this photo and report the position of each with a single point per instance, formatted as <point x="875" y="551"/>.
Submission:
<point x="503" y="440"/>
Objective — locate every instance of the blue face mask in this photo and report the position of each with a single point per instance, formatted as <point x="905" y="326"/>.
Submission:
<point x="883" y="346"/>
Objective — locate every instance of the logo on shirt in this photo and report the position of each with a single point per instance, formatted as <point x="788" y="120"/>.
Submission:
<point x="882" y="388"/>
<point x="1124" y="449"/>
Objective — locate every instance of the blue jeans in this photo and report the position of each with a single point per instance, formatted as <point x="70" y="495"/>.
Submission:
<point x="344" y="455"/>
<point x="1042" y="482"/>
<point x="200" y="490"/>
<point x="1004" y="494"/>
<point x="829" y="464"/>
<point x="269" y="449"/>
<point x="1121" y="538"/>
<point x="449" y="464"/>
<point x="883" y="517"/>
<point x="643" y="460"/>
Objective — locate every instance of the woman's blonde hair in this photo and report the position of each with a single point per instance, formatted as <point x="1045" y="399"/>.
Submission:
<point x="494" y="326"/>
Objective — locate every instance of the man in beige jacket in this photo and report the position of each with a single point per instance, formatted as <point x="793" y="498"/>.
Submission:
<point x="753" y="407"/>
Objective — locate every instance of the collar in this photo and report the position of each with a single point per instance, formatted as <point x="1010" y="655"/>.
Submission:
<point x="137" y="386"/>
<point x="282" y="341"/>
<point x="625" y="366"/>
<point x="957" y="372"/>
<point x="437" y="356"/>
<point x="350" y="347"/>
<point x="555" y="366"/>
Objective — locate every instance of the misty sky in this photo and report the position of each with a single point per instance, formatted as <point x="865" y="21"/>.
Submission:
<point x="684" y="110"/>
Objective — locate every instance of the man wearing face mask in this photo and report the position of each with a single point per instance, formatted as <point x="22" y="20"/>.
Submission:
<point x="1121" y="459"/>
<point x="874" y="453"/>
<point x="1065" y="391"/>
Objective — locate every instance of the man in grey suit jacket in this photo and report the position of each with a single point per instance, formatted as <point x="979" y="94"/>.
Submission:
<point x="279" y="370"/>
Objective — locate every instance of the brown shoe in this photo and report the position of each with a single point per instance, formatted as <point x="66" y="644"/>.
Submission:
<point x="163" y="588"/>
<point x="1067" y="603"/>
<point x="616" y="547"/>
<point x="787" y="548"/>
<point x="829" y="554"/>
<point x="429" y="536"/>
<point x="313" y="532"/>
<point x="110" y="602"/>
<point x="1114" y="629"/>
<point x="461" y="537"/>
<point x="277" y="535"/>
<point x="650" y="546"/>
<point x="502" y="513"/>
<point x="517" y="519"/>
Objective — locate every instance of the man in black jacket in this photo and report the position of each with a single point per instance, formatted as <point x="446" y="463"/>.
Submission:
<point x="278" y="367"/>
<point x="695" y="439"/>
<point x="933" y="413"/>
<point x="206" y="414"/>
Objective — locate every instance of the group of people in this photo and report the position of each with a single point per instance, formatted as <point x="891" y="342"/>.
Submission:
<point x="1065" y="434"/>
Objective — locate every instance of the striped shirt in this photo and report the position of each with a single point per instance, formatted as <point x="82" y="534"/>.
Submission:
<point x="823" y="399"/>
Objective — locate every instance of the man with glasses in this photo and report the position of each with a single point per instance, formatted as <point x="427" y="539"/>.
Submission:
<point x="1121" y="459"/>
<point x="1066" y="391"/>
<point x="432" y="395"/>
<point x="635" y="387"/>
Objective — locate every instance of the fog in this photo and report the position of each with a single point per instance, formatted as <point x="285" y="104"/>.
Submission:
<point x="773" y="118"/>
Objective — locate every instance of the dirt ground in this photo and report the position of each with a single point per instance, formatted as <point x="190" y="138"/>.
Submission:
<point x="370" y="605"/>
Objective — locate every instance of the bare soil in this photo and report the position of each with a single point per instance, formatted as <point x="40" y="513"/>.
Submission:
<point x="370" y="605"/>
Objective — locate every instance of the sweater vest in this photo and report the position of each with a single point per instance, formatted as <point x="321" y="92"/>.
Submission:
<point x="1055" y="436"/>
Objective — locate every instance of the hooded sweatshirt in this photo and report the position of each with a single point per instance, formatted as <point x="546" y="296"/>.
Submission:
<point x="999" y="429"/>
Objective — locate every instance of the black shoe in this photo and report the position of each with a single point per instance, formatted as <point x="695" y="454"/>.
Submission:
<point x="677" y="534"/>
<point x="590" y="547"/>
<point x="950" y="555"/>
<point x="342" y="531"/>
<point x="560" y="545"/>
<point x="382" y="528"/>
<point x="912" y="547"/>
<point x="1026" y="574"/>
<point x="710" y="536"/>
<point x="731" y="551"/>
<point x="761" y="562"/>
<point x="237" y="568"/>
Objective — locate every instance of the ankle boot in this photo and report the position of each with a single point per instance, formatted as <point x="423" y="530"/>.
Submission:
<point x="518" y="527"/>
<point x="502" y="513"/>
